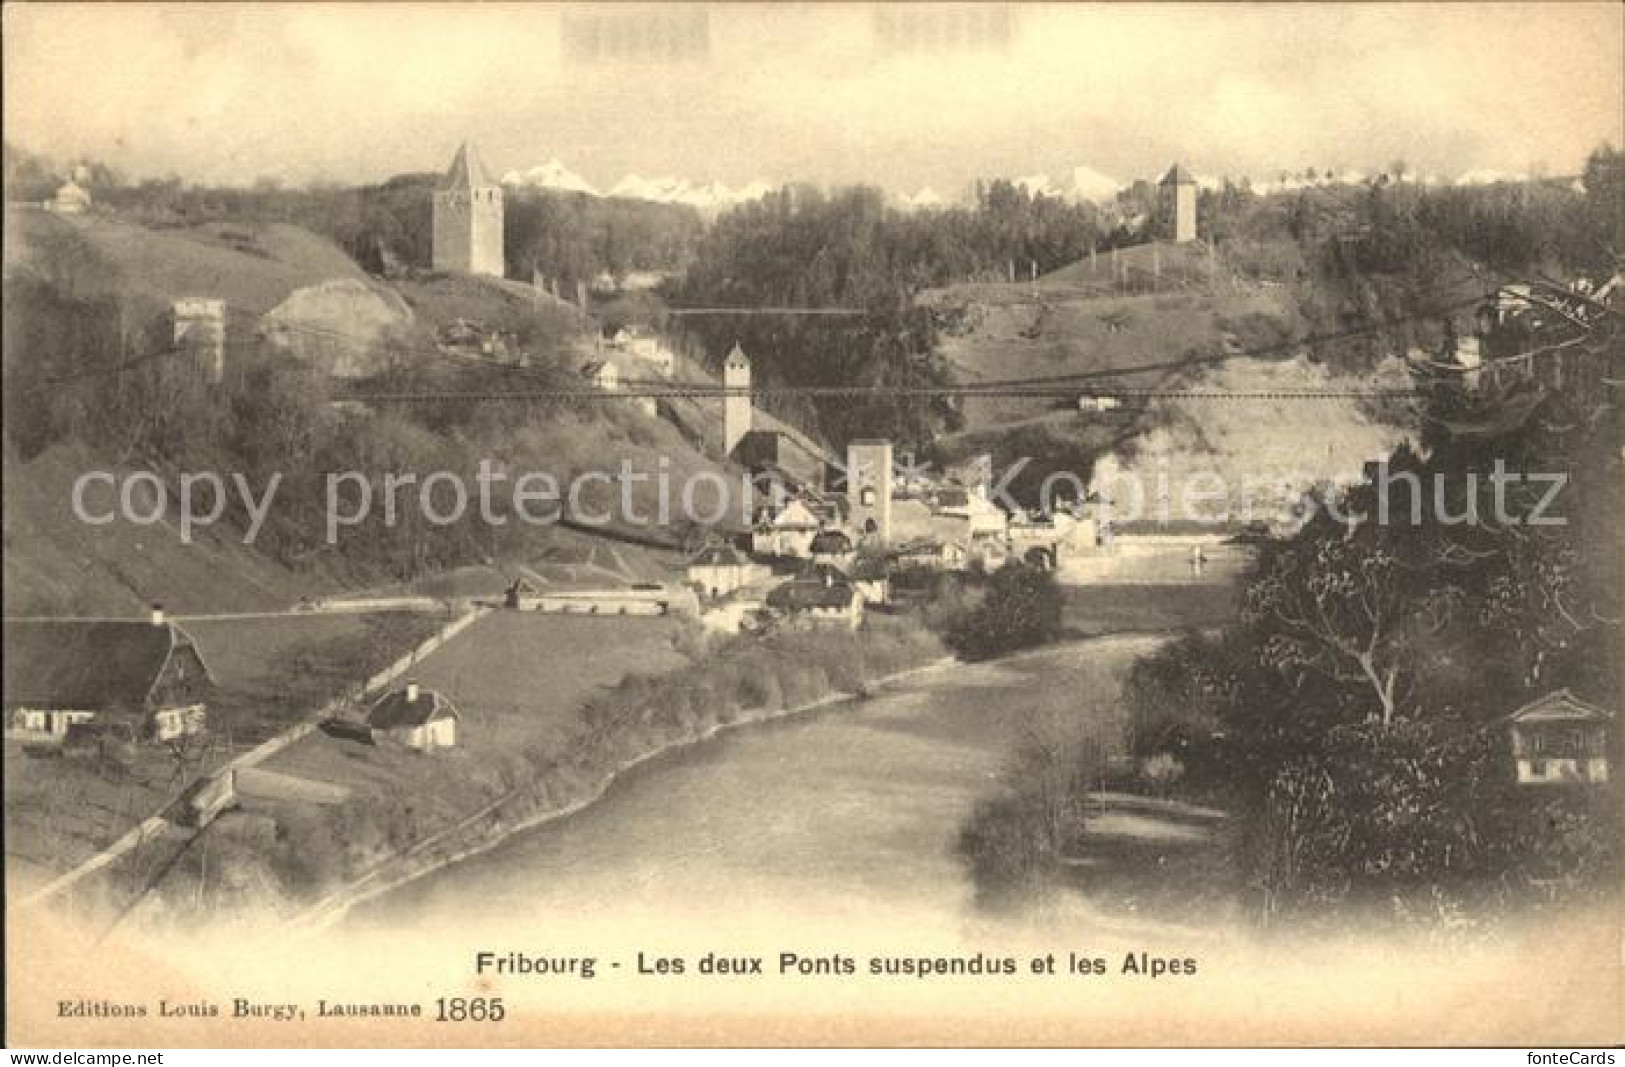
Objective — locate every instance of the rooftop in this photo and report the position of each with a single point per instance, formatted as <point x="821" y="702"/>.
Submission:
<point x="467" y="172"/>
<point x="86" y="664"/>
<point x="394" y="710"/>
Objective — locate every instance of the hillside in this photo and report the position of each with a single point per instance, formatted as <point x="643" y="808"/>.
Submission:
<point x="253" y="267"/>
<point x="1251" y="316"/>
<point x="56" y="564"/>
<point x="102" y="285"/>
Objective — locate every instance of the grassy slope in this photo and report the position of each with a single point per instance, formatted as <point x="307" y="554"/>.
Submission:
<point x="253" y="268"/>
<point x="53" y="563"/>
<point x="1086" y="318"/>
<point x="56" y="564"/>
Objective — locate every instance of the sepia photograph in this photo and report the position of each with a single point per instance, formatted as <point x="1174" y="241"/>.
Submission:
<point x="786" y="525"/>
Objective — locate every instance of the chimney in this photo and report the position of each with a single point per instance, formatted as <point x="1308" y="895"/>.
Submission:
<point x="411" y="692"/>
<point x="158" y="615"/>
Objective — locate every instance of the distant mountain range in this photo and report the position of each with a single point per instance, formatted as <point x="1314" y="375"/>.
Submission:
<point x="1084" y="184"/>
<point x="711" y="197"/>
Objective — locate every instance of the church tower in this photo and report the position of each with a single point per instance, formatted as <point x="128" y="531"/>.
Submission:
<point x="736" y="405"/>
<point x="468" y="218"/>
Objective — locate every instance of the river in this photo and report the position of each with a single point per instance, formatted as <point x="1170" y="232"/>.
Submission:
<point x="849" y="814"/>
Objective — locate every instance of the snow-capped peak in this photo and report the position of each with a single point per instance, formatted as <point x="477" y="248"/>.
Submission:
<point x="927" y="199"/>
<point x="551" y="175"/>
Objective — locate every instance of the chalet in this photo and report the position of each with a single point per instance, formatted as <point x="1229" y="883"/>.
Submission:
<point x="819" y="603"/>
<point x="832" y="546"/>
<point x="1560" y="740"/>
<point x="789" y="531"/>
<point x="146" y="677"/>
<point x="720" y="569"/>
<point x="415" y="717"/>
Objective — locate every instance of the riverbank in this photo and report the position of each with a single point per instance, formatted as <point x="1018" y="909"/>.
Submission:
<point x="384" y="879"/>
<point x="539" y="736"/>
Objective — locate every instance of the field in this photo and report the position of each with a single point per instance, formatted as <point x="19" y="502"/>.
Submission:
<point x="518" y="680"/>
<point x="272" y="672"/>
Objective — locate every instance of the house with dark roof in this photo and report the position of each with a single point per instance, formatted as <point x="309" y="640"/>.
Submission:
<point x="1560" y="739"/>
<point x="832" y="546"/>
<point x="415" y="717"/>
<point x="823" y="600"/>
<point x="147" y="677"/>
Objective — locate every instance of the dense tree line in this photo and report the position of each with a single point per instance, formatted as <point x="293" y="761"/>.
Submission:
<point x="800" y="247"/>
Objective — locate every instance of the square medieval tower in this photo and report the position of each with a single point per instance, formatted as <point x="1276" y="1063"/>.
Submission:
<point x="468" y="218"/>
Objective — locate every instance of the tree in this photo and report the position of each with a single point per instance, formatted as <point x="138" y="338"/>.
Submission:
<point x="1021" y="608"/>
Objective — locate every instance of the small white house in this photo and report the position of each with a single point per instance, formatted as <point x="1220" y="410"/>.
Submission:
<point x="720" y="569"/>
<point x="603" y="375"/>
<point x="415" y="717"/>
<point x="1560" y="740"/>
<point x="786" y="532"/>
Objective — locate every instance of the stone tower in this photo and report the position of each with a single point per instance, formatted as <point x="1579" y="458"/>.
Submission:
<point x="736" y="405"/>
<point x="468" y="218"/>
<point x="868" y="489"/>
<point x="1178" y="190"/>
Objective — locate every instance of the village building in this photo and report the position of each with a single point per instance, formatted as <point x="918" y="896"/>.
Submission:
<point x="468" y="218"/>
<point x="871" y="578"/>
<point x="145" y="680"/>
<point x="70" y="198"/>
<point x="1560" y="739"/>
<point x="718" y="570"/>
<point x="643" y="344"/>
<point x="602" y="374"/>
<point x="1178" y="192"/>
<point x="787" y="531"/>
<point x="418" y="718"/>
<point x="932" y="554"/>
<point x="818" y="601"/>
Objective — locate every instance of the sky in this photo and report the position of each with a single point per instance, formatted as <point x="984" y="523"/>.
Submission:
<point x="902" y="97"/>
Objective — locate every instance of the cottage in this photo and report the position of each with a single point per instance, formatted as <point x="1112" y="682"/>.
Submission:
<point x="148" y="677"/>
<point x="415" y="717"/>
<point x="825" y="602"/>
<point x="1560" y="740"/>
<point x="720" y="569"/>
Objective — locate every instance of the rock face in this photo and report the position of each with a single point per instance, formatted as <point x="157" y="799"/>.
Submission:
<point x="341" y="325"/>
